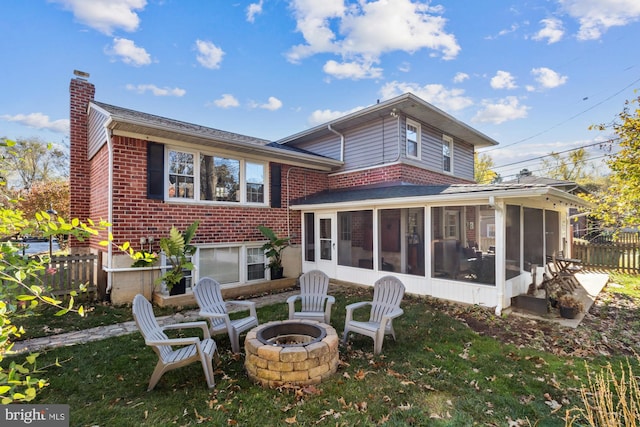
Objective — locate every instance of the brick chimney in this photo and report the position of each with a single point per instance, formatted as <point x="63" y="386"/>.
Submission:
<point x="81" y="93"/>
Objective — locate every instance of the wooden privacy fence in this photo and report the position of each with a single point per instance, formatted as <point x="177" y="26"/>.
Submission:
<point x="623" y="257"/>
<point x="71" y="271"/>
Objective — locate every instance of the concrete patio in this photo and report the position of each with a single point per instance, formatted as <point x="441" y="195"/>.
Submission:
<point x="591" y="284"/>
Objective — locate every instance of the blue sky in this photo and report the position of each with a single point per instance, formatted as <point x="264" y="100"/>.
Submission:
<point x="531" y="74"/>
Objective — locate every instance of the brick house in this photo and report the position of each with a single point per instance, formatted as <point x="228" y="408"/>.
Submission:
<point x="385" y="190"/>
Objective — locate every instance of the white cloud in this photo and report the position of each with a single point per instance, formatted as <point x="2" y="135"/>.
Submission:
<point x="552" y="31"/>
<point x="127" y="51"/>
<point x="503" y="80"/>
<point x="254" y="9"/>
<point x="227" y="101"/>
<point x="460" y="77"/>
<point x="319" y="117"/>
<point x="547" y="78"/>
<point x="39" y="121"/>
<point x="272" y="104"/>
<point x="106" y="15"/>
<point x="157" y="91"/>
<point x="369" y="29"/>
<point x="438" y="95"/>
<point x="209" y="55"/>
<point x="351" y="70"/>
<point x="597" y="16"/>
<point x="506" y="109"/>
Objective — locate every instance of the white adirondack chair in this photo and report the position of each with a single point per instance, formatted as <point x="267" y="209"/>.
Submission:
<point x="315" y="303"/>
<point x="214" y="308"/>
<point x="387" y="295"/>
<point x="189" y="350"/>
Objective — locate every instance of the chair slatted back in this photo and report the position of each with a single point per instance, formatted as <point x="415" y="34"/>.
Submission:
<point x="314" y="286"/>
<point x="388" y="292"/>
<point x="148" y="325"/>
<point x="209" y="297"/>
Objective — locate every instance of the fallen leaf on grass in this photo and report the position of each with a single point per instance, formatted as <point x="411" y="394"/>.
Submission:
<point x="361" y="374"/>
<point x="291" y="420"/>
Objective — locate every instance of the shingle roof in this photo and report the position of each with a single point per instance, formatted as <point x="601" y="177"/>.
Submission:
<point x="400" y="190"/>
<point x="126" y="114"/>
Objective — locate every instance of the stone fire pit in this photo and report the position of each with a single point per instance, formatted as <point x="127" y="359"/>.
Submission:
<point x="298" y="352"/>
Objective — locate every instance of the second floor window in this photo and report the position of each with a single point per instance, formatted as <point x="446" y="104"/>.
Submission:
<point x="413" y="139"/>
<point x="447" y="152"/>
<point x="214" y="178"/>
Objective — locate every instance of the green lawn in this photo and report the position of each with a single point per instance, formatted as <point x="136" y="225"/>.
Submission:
<point x="439" y="372"/>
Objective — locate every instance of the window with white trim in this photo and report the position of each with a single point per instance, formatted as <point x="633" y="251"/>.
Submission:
<point x="213" y="178"/>
<point x="181" y="175"/>
<point x="413" y="139"/>
<point x="255" y="264"/>
<point x="447" y="153"/>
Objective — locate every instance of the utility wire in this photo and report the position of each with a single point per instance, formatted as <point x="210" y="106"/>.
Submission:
<point x="558" y="152"/>
<point x="567" y="120"/>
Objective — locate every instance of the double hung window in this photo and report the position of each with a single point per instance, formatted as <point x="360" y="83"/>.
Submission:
<point x="413" y="139"/>
<point x="447" y="153"/>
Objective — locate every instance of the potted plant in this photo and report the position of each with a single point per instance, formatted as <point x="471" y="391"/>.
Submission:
<point x="178" y="251"/>
<point x="273" y="250"/>
<point x="570" y="306"/>
<point x="555" y="292"/>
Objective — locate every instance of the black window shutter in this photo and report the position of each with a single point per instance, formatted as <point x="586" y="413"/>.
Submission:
<point x="276" y="185"/>
<point x="155" y="171"/>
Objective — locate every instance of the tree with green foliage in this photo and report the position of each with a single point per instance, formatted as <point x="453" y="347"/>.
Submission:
<point x="28" y="161"/>
<point x="483" y="172"/>
<point x="572" y="167"/>
<point x="22" y="285"/>
<point x="618" y="205"/>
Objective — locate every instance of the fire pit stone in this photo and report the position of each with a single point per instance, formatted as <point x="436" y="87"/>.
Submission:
<point x="307" y="357"/>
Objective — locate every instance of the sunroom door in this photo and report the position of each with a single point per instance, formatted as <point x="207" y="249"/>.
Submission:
<point x="326" y="243"/>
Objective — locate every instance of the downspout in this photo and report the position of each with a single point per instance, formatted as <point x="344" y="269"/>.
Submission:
<point x="394" y="113"/>
<point x="341" y="141"/>
<point x="109" y="206"/>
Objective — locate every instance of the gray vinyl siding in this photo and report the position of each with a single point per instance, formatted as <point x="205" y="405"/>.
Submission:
<point x="376" y="143"/>
<point x="373" y="143"/>
<point x="328" y="147"/>
<point x="463" y="160"/>
<point x="97" y="135"/>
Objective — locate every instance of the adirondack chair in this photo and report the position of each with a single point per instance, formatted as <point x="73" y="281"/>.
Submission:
<point x="189" y="350"/>
<point x="387" y="295"/>
<point x="315" y="303"/>
<point x="214" y="308"/>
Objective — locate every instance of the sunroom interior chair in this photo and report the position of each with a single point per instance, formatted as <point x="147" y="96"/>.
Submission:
<point x="385" y="306"/>
<point x="315" y="304"/>
<point x="186" y="351"/>
<point x="214" y="308"/>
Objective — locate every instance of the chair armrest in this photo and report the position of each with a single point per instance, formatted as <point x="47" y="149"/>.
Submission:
<point x="186" y="325"/>
<point x="212" y="314"/>
<point x="356" y="305"/>
<point x="248" y="305"/>
<point x="174" y="341"/>
<point x="330" y="299"/>
<point x="394" y="313"/>
<point x="293" y="298"/>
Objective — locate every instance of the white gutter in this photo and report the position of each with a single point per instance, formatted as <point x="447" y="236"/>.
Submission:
<point x="341" y="141"/>
<point x="109" y="268"/>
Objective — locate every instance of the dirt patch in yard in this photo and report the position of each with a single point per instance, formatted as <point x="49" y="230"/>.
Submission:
<point x="611" y="327"/>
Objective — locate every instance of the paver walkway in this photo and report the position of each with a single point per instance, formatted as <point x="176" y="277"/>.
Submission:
<point x="108" y="331"/>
